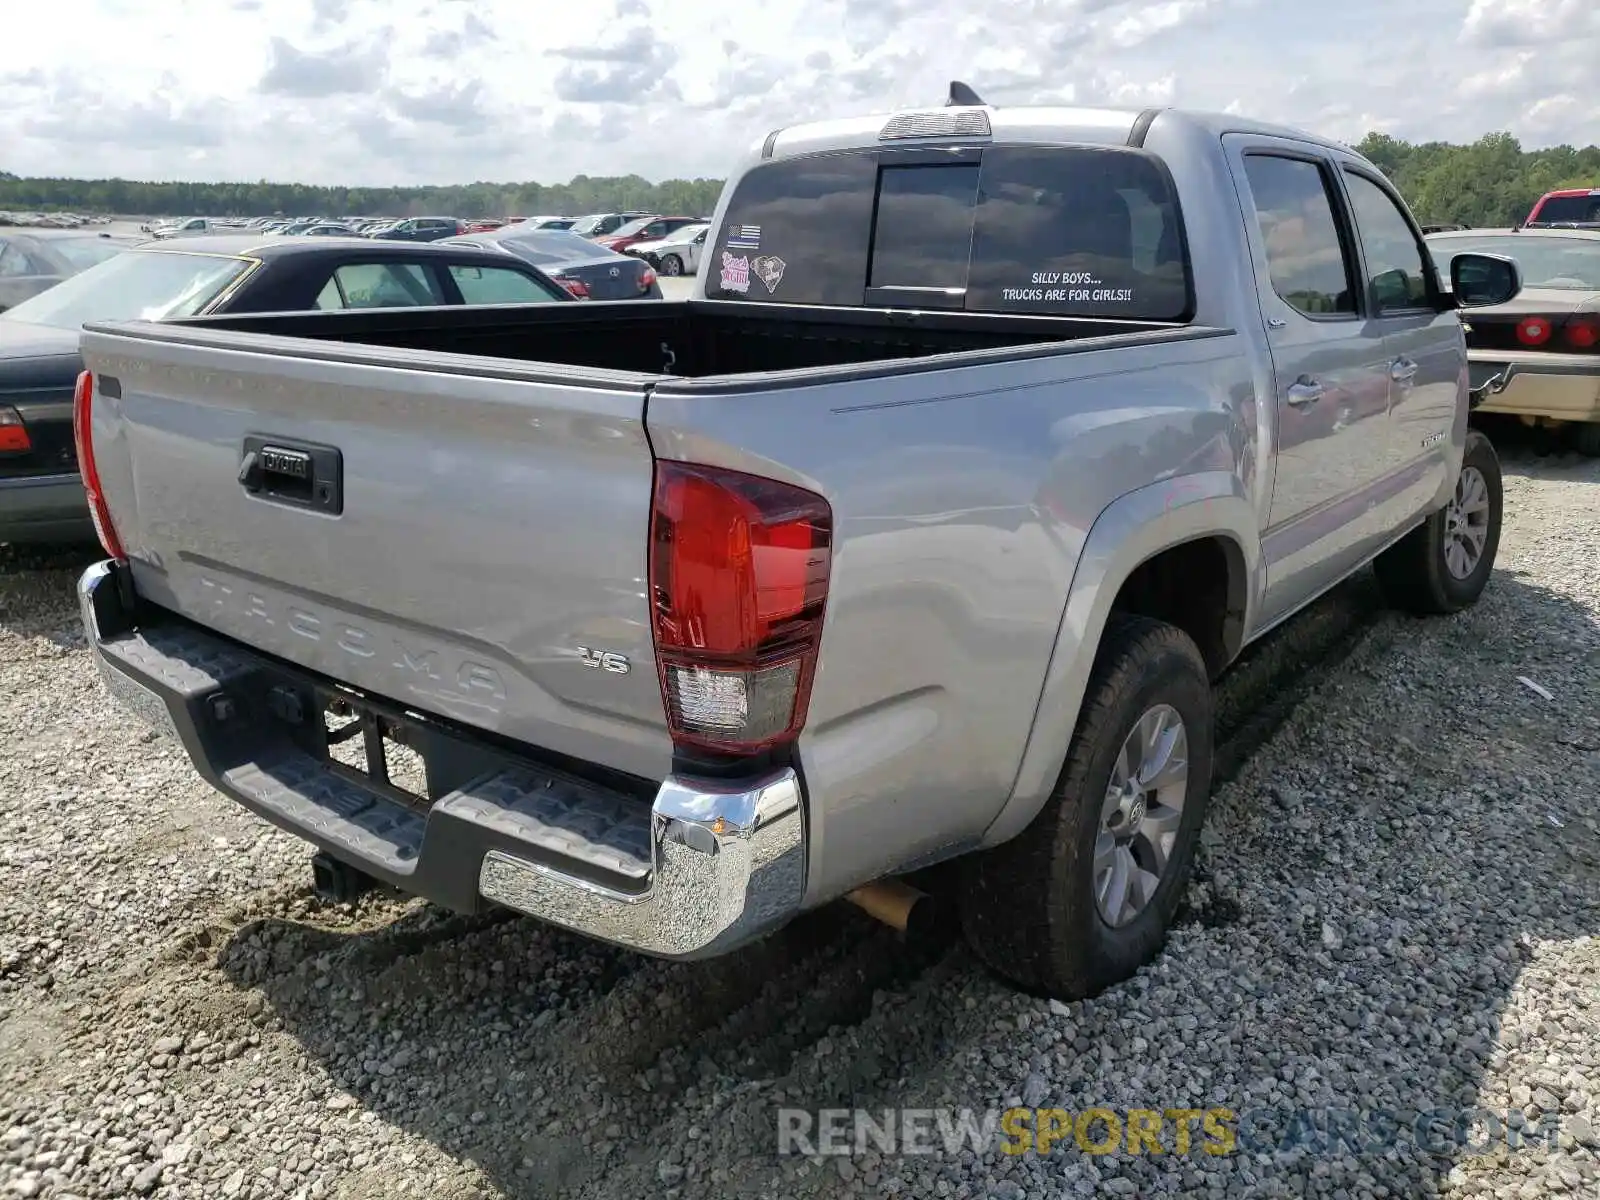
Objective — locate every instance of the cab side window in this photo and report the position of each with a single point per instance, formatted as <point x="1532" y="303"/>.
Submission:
<point x="1397" y="271"/>
<point x="499" y="285"/>
<point x="379" y="285"/>
<point x="1308" y="260"/>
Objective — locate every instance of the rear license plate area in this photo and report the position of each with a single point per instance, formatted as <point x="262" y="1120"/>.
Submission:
<point x="375" y="748"/>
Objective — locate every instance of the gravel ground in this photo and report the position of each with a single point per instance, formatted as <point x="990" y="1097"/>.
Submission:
<point x="1396" y="909"/>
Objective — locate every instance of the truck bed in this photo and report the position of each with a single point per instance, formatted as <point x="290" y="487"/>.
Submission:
<point x="692" y="338"/>
<point x="485" y="538"/>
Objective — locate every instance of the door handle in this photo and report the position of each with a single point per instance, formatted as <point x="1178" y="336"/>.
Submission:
<point x="1304" y="392"/>
<point x="1402" y="370"/>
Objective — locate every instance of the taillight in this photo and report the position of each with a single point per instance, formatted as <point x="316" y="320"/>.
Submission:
<point x="1583" y="332"/>
<point x="1533" y="331"/>
<point x="576" y="286"/>
<point x="738" y="582"/>
<point x="647" y="279"/>
<point x="83" y="439"/>
<point x="14" y="437"/>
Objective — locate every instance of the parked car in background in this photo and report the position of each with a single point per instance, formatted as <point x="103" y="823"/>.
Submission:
<point x="330" y="230"/>
<point x="41" y="258"/>
<point x="1550" y="332"/>
<point x="1566" y="206"/>
<point x="597" y="225"/>
<point x="41" y="496"/>
<point x="421" y="229"/>
<point x="186" y="228"/>
<point x="644" y="229"/>
<point x="678" y="253"/>
<point x="588" y="271"/>
<point x="546" y="222"/>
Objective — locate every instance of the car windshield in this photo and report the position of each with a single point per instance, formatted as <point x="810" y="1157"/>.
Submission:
<point x="590" y="223"/>
<point x="148" y="285"/>
<point x="86" y="252"/>
<point x="687" y="233"/>
<point x="1570" y="263"/>
<point x="551" y="246"/>
<point x="633" y="227"/>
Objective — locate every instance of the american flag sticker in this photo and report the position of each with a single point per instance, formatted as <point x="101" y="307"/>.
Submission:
<point x="744" y="237"/>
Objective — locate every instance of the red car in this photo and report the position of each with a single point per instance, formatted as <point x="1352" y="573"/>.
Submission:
<point x="645" y="229"/>
<point x="1568" y="206"/>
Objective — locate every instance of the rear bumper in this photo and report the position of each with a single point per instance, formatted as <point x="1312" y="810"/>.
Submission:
<point x="706" y="866"/>
<point x="44" y="508"/>
<point x="1563" y="386"/>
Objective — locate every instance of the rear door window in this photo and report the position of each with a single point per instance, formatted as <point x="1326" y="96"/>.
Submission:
<point x="380" y="285"/>
<point x="1062" y="231"/>
<point x="499" y="285"/>
<point x="1310" y="265"/>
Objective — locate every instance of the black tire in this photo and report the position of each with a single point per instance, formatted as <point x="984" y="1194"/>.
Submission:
<point x="1586" y="438"/>
<point x="1413" y="572"/>
<point x="1028" y="906"/>
<point x="672" y="265"/>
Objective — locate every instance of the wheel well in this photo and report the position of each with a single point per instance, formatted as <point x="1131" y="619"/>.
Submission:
<point x="1199" y="587"/>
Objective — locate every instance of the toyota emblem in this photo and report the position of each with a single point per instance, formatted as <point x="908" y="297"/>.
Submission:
<point x="615" y="271"/>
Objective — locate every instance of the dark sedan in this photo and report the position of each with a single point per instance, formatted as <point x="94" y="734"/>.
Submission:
<point x="588" y="271"/>
<point x="31" y="262"/>
<point x="421" y="229"/>
<point x="41" y="497"/>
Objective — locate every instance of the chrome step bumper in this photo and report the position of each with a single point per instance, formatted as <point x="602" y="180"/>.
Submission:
<point x="704" y="867"/>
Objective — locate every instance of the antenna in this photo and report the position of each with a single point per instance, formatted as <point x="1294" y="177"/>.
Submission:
<point x="961" y="94"/>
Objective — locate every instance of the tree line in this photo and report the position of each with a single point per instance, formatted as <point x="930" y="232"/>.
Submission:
<point x="584" y="194"/>
<point x="1492" y="181"/>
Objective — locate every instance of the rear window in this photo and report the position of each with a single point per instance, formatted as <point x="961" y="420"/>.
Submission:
<point x="1080" y="231"/>
<point x="1582" y="209"/>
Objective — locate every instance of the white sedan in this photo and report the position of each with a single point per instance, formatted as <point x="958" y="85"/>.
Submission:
<point x="676" y="254"/>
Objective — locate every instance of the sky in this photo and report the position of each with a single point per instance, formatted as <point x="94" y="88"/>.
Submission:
<point x="453" y="91"/>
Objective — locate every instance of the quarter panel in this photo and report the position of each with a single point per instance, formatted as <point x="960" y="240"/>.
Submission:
<point x="961" y="502"/>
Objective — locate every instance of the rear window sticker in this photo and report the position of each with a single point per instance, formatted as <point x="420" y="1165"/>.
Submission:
<point x="735" y="272"/>
<point x="744" y="237"/>
<point x="769" y="269"/>
<point x="1077" y="287"/>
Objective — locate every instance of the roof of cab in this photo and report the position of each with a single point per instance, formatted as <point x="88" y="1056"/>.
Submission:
<point x="1520" y="232"/>
<point x="234" y="245"/>
<point x="1026" y="123"/>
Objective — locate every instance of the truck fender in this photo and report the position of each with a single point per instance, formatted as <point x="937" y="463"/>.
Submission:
<point x="1131" y="530"/>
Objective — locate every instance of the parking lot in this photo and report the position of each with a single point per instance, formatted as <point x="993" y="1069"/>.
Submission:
<point x="1396" y="909"/>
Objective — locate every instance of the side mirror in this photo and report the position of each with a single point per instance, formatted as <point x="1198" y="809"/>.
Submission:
<point x="1482" y="280"/>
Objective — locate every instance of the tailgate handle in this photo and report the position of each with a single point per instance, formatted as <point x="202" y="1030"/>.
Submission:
<point x="300" y="474"/>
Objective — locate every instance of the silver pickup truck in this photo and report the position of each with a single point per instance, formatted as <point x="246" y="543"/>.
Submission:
<point x="987" y="440"/>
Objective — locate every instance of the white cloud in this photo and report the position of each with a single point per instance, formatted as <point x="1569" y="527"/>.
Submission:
<point x="445" y="91"/>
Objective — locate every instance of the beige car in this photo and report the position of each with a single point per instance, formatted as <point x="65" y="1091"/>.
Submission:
<point x="1550" y="332"/>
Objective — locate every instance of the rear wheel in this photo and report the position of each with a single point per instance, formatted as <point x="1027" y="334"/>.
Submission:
<point x="1444" y="564"/>
<point x="1586" y="438"/>
<point x="1082" y="898"/>
<point x="672" y="265"/>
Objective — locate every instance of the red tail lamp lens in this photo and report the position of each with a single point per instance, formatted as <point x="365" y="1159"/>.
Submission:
<point x="1534" y="331"/>
<point x="739" y="569"/>
<point x="14" y="437"/>
<point x="83" y="440"/>
<point x="1583" y="333"/>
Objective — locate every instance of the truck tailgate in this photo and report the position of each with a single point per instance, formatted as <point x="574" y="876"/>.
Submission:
<point x="462" y="540"/>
